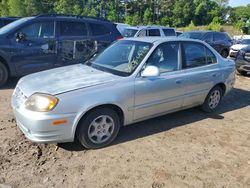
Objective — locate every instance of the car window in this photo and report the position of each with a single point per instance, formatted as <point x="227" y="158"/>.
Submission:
<point x="73" y="29"/>
<point x="194" y="55"/>
<point x="129" y="32"/>
<point x="142" y="33"/>
<point x="154" y="32"/>
<point x="219" y="36"/>
<point x="39" y="30"/>
<point x="209" y="37"/>
<point x="98" y="29"/>
<point x="165" y="57"/>
<point x="211" y="58"/>
<point x="169" y="32"/>
<point x="1" y="23"/>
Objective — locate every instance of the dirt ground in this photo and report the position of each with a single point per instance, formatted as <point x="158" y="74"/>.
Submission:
<point x="185" y="149"/>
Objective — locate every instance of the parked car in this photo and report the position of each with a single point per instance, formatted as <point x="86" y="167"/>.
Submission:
<point x="6" y="20"/>
<point x="129" y="31"/>
<point x="220" y="41"/>
<point x="235" y="48"/>
<point x="47" y="41"/>
<point x="132" y="80"/>
<point x="155" y="31"/>
<point x="121" y="27"/>
<point x="243" y="60"/>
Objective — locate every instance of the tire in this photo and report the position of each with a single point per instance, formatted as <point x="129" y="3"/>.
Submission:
<point x="99" y="128"/>
<point x="4" y="74"/>
<point x="212" y="100"/>
<point x="243" y="73"/>
<point x="224" y="53"/>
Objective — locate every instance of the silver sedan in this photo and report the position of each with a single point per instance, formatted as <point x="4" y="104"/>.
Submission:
<point x="132" y="80"/>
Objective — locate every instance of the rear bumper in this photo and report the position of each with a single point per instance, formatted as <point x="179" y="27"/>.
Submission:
<point x="38" y="127"/>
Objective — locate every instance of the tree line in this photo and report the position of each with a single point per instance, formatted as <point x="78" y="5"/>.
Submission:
<point x="176" y="13"/>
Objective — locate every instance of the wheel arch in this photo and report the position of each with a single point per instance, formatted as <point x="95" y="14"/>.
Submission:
<point x="115" y="107"/>
<point x="222" y="86"/>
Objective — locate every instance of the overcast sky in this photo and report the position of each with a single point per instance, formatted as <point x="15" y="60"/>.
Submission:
<point x="235" y="3"/>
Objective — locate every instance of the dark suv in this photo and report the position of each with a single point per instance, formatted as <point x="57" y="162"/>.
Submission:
<point x="6" y="20"/>
<point x="220" y="41"/>
<point x="48" y="41"/>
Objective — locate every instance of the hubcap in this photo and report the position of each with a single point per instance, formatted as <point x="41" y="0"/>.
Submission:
<point x="101" y="129"/>
<point x="214" y="99"/>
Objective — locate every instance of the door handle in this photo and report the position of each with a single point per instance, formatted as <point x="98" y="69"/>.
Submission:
<point x="178" y="81"/>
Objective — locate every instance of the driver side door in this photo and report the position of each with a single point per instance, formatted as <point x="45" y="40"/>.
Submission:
<point x="159" y="95"/>
<point x="37" y="50"/>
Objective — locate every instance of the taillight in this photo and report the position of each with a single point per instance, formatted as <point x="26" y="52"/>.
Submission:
<point x="119" y="37"/>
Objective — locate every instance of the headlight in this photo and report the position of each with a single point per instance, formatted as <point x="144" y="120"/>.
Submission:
<point x="40" y="102"/>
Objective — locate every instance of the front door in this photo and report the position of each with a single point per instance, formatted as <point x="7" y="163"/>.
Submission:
<point x="165" y="93"/>
<point x="37" y="50"/>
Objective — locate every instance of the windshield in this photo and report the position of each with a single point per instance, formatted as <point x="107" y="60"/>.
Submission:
<point x="245" y="41"/>
<point x="121" y="58"/>
<point x="192" y="35"/>
<point x="12" y="25"/>
<point x="129" y="32"/>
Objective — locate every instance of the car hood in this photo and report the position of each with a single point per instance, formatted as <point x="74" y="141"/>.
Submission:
<point x="64" y="79"/>
<point x="238" y="46"/>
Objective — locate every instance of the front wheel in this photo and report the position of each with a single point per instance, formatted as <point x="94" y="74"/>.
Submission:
<point x="212" y="100"/>
<point x="99" y="128"/>
<point x="3" y="74"/>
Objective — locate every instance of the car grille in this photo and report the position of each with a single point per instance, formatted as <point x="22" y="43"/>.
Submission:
<point x="247" y="56"/>
<point x="18" y="97"/>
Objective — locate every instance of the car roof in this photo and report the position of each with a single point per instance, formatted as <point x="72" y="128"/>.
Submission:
<point x="154" y="27"/>
<point x="160" y="39"/>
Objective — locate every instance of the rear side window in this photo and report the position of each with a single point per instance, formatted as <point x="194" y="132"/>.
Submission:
<point x="73" y="29"/>
<point x="98" y="29"/>
<point x="154" y="32"/>
<point x="169" y="32"/>
<point x="39" y="30"/>
<point x="219" y="36"/>
<point x="196" y="55"/>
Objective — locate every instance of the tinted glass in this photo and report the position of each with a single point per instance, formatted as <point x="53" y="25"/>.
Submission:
<point x="98" y="29"/>
<point x="13" y="25"/>
<point x="142" y="33"/>
<point x="129" y="32"/>
<point x="1" y="23"/>
<point x="192" y="35"/>
<point x="169" y="32"/>
<point x="165" y="57"/>
<point x="219" y="36"/>
<point x="122" y="57"/>
<point x="73" y="29"/>
<point x="39" y="30"/>
<point x="7" y="21"/>
<point x="245" y="41"/>
<point x="211" y="58"/>
<point x="154" y="32"/>
<point x="209" y="37"/>
<point x="194" y="55"/>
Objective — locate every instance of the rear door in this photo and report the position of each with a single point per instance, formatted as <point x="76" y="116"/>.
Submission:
<point x="74" y="45"/>
<point x="201" y="72"/>
<point x="37" y="51"/>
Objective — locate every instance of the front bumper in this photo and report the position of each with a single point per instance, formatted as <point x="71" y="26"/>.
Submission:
<point x="38" y="127"/>
<point x="242" y="65"/>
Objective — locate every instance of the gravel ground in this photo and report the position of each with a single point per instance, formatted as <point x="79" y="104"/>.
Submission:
<point x="184" y="149"/>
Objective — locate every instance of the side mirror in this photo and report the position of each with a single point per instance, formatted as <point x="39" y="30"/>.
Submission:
<point x="150" y="71"/>
<point x="20" y="36"/>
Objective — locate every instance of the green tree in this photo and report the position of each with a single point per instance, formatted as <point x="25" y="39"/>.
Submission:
<point x="17" y="8"/>
<point x="4" y="8"/>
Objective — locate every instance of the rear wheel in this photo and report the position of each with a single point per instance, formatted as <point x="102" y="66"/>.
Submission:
<point x="99" y="128"/>
<point x="212" y="100"/>
<point x="3" y="74"/>
<point x="224" y="53"/>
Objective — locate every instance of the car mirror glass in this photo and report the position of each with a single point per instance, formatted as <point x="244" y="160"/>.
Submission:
<point x="20" y="36"/>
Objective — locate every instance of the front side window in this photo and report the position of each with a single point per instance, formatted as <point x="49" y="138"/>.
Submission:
<point x="165" y="57"/>
<point x="196" y="55"/>
<point x="73" y="29"/>
<point x="154" y="32"/>
<point x="122" y="58"/>
<point x="39" y="30"/>
<point x="98" y="29"/>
